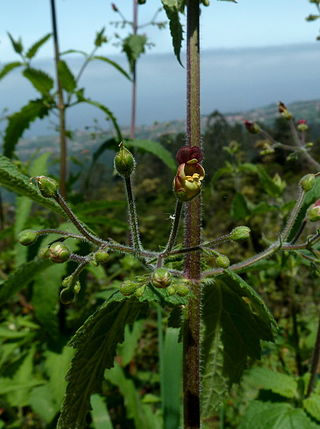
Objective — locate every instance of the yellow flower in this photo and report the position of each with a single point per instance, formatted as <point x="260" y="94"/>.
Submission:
<point x="187" y="182"/>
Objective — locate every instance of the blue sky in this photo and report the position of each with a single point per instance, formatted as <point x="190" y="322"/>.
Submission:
<point x="250" y="23"/>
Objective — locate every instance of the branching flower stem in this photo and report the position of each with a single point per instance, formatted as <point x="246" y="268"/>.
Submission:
<point x="133" y="219"/>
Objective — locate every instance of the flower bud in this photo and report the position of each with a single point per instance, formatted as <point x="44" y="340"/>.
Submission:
<point x="161" y="278"/>
<point x="128" y="287"/>
<point x="48" y="187"/>
<point x="124" y="162"/>
<point x="67" y="296"/>
<point x="66" y="282"/>
<point x="240" y="233"/>
<point x="302" y="125"/>
<point x="101" y="256"/>
<point x="307" y="182"/>
<point x="181" y="287"/>
<point x="59" y="253"/>
<point x="171" y="290"/>
<point x="284" y="112"/>
<point x="27" y="237"/>
<point x="114" y="7"/>
<point x="252" y="127"/>
<point x="223" y="261"/>
<point x="140" y="291"/>
<point x="313" y="212"/>
<point x="77" y="287"/>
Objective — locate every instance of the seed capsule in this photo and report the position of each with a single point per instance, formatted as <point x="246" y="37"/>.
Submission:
<point x="27" y="237"/>
<point x="101" y="256"/>
<point x="127" y="288"/>
<point x="240" y="233"/>
<point x="307" y="182"/>
<point x="223" y="261"/>
<point x="124" y="162"/>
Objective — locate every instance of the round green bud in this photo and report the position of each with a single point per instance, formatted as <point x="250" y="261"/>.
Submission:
<point x="223" y="261"/>
<point x="240" y="233"/>
<point x="205" y="2"/>
<point x="67" y="296"/>
<point x="161" y="278"/>
<point x="127" y="288"/>
<point x="124" y="162"/>
<point x="59" y="253"/>
<point x="309" y="144"/>
<point x="171" y="290"/>
<point x="77" y="287"/>
<point x="48" y="187"/>
<point x="181" y="287"/>
<point x="66" y="282"/>
<point x="307" y="182"/>
<point x="101" y="256"/>
<point x="313" y="212"/>
<point x="27" y="237"/>
<point x="140" y="291"/>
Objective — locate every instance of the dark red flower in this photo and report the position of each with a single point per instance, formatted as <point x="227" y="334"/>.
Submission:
<point x="186" y="153"/>
<point x="252" y="127"/>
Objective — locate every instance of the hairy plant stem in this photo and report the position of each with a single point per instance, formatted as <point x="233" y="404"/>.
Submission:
<point x="61" y="105"/>
<point x="191" y="334"/>
<point x="297" y="141"/>
<point x="133" y="219"/>
<point x="134" y="75"/>
<point x="314" y="363"/>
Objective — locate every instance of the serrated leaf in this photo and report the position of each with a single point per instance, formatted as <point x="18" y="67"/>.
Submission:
<point x="112" y="63"/>
<point x="133" y="46"/>
<point x="131" y="337"/>
<point x="312" y="406"/>
<point x="67" y="79"/>
<point x="31" y="52"/>
<point x="13" y="180"/>
<point x="18" y="122"/>
<point x="21" y="278"/>
<point x="268" y="184"/>
<point x="171" y="8"/>
<point x="40" y="80"/>
<point x="108" y="113"/>
<point x="8" y="67"/>
<point x="95" y="343"/>
<point x="156" y="149"/>
<point x="275" y="416"/>
<point x="281" y="384"/>
<point x="244" y="319"/>
<point x="16" y="44"/>
<point x="213" y="381"/>
<point x="99" y="413"/>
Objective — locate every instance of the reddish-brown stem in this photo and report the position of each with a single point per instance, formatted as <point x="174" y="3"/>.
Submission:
<point x="60" y="105"/>
<point x="134" y="75"/>
<point x="191" y="339"/>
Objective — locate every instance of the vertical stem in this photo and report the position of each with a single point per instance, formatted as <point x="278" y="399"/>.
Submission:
<point x="191" y="339"/>
<point x="61" y="105"/>
<point x="314" y="363"/>
<point x="134" y="77"/>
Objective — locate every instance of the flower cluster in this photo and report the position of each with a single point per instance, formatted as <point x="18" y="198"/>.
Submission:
<point x="190" y="173"/>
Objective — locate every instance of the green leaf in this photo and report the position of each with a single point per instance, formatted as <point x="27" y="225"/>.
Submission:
<point x="232" y="306"/>
<point x="171" y="8"/>
<point x="171" y="378"/>
<point x="131" y="337"/>
<point x="95" y="343"/>
<point x="99" y="413"/>
<point x="41" y="81"/>
<point x="269" y="185"/>
<point x="31" y="52"/>
<point x="133" y="46"/>
<point x="16" y="44"/>
<point x="142" y="414"/>
<point x="108" y="113"/>
<point x="113" y="63"/>
<point x="8" y="67"/>
<point x="309" y="198"/>
<point x="67" y="79"/>
<point x="239" y="208"/>
<point x="275" y="416"/>
<point x="18" y="122"/>
<point x="213" y="380"/>
<point x="156" y="149"/>
<point x="21" y="278"/>
<point x="312" y="406"/>
<point x="12" y="179"/>
<point x="281" y="384"/>
<point x="40" y="400"/>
